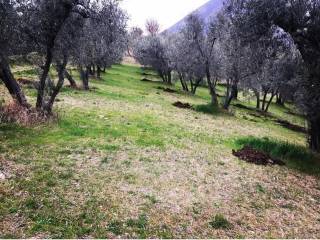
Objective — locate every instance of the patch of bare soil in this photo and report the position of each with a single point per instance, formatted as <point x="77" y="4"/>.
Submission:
<point x="281" y="122"/>
<point x="74" y="87"/>
<point x="261" y="114"/>
<point x="182" y="105"/>
<point x="9" y="169"/>
<point x="238" y="105"/>
<point x="13" y="224"/>
<point x="291" y="126"/>
<point x="252" y="155"/>
<point x="290" y="112"/>
<point x="27" y="82"/>
<point x="168" y="90"/>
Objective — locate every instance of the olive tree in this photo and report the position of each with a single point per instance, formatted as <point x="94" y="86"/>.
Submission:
<point x="201" y="40"/>
<point x="102" y="42"/>
<point x="9" y="36"/>
<point x="187" y="63"/>
<point x="49" y="27"/>
<point x="154" y="51"/>
<point x="300" y="19"/>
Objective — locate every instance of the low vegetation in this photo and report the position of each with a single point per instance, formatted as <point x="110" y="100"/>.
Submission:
<point x="109" y="168"/>
<point x="209" y="132"/>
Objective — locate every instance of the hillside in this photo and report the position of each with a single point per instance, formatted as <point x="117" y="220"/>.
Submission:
<point x="122" y="162"/>
<point x="206" y="11"/>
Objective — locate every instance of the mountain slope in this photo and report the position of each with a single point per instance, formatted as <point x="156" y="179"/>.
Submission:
<point x="209" y="9"/>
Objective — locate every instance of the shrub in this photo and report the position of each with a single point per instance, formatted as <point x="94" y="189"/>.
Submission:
<point x="220" y="222"/>
<point x="15" y="113"/>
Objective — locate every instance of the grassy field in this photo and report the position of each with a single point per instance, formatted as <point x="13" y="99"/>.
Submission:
<point x="121" y="161"/>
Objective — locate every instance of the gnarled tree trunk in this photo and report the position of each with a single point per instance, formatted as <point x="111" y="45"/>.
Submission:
<point x="230" y="96"/>
<point x="183" y="83"/>
<point x="10" y="82"/>
<point x="280" y="100"/>
<point x="314" y="134"/>
<point x="212" y="89"/>
<point x="257" y="94"/>
<point x="84" y="75"/>
<point x="269" y="102"/>
<point x="44" y="75"/>
<point x="72" y="82"/>
<point x="98" y="72"/>
<point x="61" y="67"/>
<point x="195" y="85"/>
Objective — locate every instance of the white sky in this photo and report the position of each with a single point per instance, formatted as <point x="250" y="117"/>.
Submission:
<point x="166" y="12"/>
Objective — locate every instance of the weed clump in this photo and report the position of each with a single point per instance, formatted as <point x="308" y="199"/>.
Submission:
<point x="15" y="113"/>
<point x="220" y="222"/>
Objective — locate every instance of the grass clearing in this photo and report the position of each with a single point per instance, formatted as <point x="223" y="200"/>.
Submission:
<point x="121" y="161"/>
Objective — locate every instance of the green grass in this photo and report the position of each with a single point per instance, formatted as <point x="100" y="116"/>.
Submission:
<point x="208" y="109"/>
<point x="107" y="165"/>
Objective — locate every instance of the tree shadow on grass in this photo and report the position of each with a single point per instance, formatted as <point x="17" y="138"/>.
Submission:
<point x="211" y="110"/>
<point x="296" y="157"/>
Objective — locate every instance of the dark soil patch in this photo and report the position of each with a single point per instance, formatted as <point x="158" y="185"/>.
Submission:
<point x="295" y="114"/>
<point x="262" y="114"/>
<point x="251" y="155"/>
<point x="146" y="80"/>
<point x="249" y="119"/>
<point x="182" y="105"/>
<point x="27" y="82"/>
<point x="148" y="74"/>
<point x="293" y="127"/>
<point x="93" y="89"/>
<point x="221" y="96"/>
<point x="168" y="90"/>
<point x="74" y="87"/>
<point x="242" y="106"/>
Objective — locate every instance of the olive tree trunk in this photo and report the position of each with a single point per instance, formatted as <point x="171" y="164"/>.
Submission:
<point x="61" y="67"/>
<point x="72" y="82"/>
<point x="10" y="82"/>
<point x="212" y="89"/>
<point x="314" y="134"/>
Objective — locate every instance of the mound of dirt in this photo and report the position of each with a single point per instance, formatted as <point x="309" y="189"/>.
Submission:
<point x="182" y="105"/>
<point x="291" y="126"/>
<point x="25" y="81"/>
<point x="168" y="90"/>
<point x="251" y="155"/>
<point x="29" y="83"/>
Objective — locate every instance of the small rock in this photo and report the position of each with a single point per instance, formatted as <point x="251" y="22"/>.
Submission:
<point x="2" y="176"/>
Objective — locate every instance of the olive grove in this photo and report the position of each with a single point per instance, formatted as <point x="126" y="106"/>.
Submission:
<point x="269" y="49"/>
<point x="300" y="22"/>
<point x="89" y="34"/>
